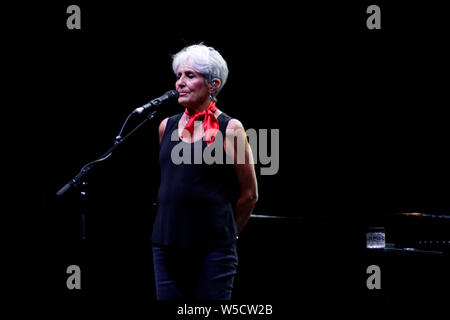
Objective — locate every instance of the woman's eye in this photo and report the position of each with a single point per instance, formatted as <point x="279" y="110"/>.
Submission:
<point x="187" y="75"/>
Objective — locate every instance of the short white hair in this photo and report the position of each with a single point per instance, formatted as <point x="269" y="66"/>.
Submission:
<point x="205" y="60"/>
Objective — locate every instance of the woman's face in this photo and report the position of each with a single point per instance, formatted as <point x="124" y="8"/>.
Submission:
<point x="193" y="91"/>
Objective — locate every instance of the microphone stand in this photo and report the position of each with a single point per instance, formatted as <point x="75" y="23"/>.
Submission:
<point x="79" y="181"/>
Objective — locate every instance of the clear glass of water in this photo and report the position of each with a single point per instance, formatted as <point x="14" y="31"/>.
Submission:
<point x="375" y="238"/>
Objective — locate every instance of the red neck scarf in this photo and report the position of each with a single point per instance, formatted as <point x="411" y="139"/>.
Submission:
<point x="210" y="123"/>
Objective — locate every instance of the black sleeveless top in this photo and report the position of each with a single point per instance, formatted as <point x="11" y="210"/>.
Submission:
<point x="195" y="201"/>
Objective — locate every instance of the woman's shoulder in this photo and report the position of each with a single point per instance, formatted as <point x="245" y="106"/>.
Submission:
<point x="172" y="119"/>
<point x="234" y="124"/>
<point x="162" y="128"/>
<point x="164" y="123"/>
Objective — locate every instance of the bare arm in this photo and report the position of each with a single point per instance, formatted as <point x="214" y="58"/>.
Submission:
<point x="162" y="128"/>
<point x="236" y="145"/>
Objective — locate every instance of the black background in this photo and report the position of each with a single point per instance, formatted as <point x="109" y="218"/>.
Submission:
<point x="361" y="113"/>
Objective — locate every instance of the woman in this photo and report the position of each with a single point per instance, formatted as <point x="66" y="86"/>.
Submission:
<point x="201" y="207"/>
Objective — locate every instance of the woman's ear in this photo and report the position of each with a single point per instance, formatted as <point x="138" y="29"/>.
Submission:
<point x="214" y="85"/>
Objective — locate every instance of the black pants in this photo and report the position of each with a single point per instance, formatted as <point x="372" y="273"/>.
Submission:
<point x="194" y="273"/>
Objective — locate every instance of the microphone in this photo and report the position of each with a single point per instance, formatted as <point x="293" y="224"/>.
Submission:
<point x="169" y="95"/>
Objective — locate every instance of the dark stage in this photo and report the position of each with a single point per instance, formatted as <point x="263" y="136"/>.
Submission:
<point x="363" y="139"/>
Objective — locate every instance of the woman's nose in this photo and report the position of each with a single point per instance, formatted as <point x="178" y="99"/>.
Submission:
<point x="180" y="82"/>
